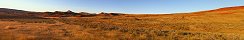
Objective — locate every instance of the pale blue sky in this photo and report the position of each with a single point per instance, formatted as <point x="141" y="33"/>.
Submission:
<point x="123" y="6"/>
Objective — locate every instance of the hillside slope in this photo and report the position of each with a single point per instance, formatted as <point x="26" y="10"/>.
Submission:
<point x="221" y="24"/>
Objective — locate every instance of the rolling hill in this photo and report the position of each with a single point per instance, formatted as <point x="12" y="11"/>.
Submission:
<point x="219" y="24"/>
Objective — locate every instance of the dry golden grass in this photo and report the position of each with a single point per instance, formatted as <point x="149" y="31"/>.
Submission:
<point x="210" y="25"/>
<point x="126" y="27"/>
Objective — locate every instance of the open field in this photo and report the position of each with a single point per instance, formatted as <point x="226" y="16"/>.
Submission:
<point x="206" y="25"/>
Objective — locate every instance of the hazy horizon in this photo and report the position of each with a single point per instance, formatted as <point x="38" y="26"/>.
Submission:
<point x="121" y="6"/>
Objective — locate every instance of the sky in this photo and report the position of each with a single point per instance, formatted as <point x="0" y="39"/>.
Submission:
<point x="120" y="6"/>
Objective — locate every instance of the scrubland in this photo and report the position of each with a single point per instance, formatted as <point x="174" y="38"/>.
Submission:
<point x="210" y="25"/>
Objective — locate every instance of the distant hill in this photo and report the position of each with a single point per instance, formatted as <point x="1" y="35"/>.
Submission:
<point x="6" y="13"/>
<point x="225" y="10"/>
<point x="6" y="10"/>
<point x="14" y="13"/>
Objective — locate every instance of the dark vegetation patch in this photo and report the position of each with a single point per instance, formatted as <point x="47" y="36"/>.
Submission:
<point x="48" y="21"/>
